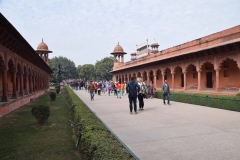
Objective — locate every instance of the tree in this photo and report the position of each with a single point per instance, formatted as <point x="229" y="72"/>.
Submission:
<point x="67" y="66"/>
<point x="103" y="68"/>
<point x="78" y="70"/>
<point x="86" y="71"/>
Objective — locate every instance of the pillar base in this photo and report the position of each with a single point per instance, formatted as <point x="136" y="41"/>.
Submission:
<point x="4" y="99"/>
<point x="14" y="96"/>
<point x="26" y="93"/>
<point x="20" y="94"/>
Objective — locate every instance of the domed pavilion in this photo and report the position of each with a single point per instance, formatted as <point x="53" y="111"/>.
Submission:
<point x="42" y="50"/>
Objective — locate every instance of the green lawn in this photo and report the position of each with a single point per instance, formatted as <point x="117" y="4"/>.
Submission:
<point x="21" y="139"/>
<point x="52" y="87"/>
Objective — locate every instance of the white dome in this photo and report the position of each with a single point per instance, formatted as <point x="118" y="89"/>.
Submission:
<point x="155" y="42"/>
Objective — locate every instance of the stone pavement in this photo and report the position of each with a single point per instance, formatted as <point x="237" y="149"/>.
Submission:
<point x="176" y="132"/>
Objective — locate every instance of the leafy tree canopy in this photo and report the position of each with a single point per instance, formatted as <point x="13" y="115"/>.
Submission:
<point x="67" y="66"/>
<point x="103" y="68"/>
<point x="99" y="71"/>
<point x="86" y="71"/>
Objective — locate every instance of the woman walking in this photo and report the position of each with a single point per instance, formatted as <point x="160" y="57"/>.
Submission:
<point x="99" y="88"/>
<point x="142" y="93"/>
<point x="109" y="88"/>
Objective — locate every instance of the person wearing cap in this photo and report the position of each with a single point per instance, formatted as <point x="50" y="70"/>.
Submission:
<point x="132" y="90"/>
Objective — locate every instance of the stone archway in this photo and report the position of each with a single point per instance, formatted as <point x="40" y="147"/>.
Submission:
<point x="139" y="75"/>
<point x="3" y="81"/>
<point x="151" y="77"/>
<point x="168" y="76"/>
<point x="144" y="76"/>
<point x="191" y="77"/>
<point x="129" y="77"/>
<point x="19" y="80"/>
<point x="159" y="81"/>
<point x="25" y="80"/>
<point x="11" y="76"/>
<point x="134" y="75"/>
<point x="208" y="76"/>
<point x="126" y="78"/>
<point x="229" y="75"/>
<point x="178" y="78"/>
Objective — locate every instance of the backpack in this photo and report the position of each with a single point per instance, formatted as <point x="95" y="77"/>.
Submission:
<point x="143" y="88"/>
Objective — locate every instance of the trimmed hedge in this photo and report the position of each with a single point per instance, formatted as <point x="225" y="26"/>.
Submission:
<point x="222" y="102"/>
<point x="53" y="96"/>
<point x="41" y="113"/>
<point x="96" y="141"/>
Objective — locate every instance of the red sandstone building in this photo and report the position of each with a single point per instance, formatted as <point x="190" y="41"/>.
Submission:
<point x="24" y="71"/>
<point x="209" y="64"/>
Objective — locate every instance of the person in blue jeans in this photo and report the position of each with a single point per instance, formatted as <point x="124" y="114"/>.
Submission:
<point x="132" y="90"/>
<point x="91" y="90"/>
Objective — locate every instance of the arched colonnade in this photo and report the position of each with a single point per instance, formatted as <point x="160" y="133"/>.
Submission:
<point x="222" y="73"/>
<point x="19" y="78"/>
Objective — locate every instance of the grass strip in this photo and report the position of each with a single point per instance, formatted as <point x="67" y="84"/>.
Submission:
<point x="96" y="141"/>
<point x="22" y="139"/>
<point x="215" y="101"/>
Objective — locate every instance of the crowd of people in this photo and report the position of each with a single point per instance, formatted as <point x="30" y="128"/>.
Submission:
<point x="135" y="89"/>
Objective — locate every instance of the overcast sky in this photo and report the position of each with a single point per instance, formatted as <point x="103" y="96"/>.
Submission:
<point x="88" y="30"/>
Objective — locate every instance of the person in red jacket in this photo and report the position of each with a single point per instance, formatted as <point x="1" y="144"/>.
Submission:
<point x="118" y="87"/>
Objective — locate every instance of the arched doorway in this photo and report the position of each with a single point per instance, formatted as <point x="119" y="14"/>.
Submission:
<point x="178" y="78"/>
<point x="208" y="75"/>
<point x="168" y="76"/>
<point x="11" y="79"/>
<point x="229" y="75"/>
<point x="2" y="68"/>
<point x="159" y="78"/>
<point x="144" y="76"/>
<point x="139" y="75"/>
<point x="151" y="78"/>
<point x="192" y="77"/>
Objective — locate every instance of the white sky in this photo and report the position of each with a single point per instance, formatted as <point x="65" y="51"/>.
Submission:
<point x="88" y="30"/>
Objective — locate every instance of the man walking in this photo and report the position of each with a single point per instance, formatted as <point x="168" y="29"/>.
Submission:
<point x="91" y="89"/>
<point x="166" y="92"/>
<point x="132" y="89"/>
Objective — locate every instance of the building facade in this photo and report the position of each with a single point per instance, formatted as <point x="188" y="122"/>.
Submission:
<point x="208" y="64"/>
<point x="24" y="71"/>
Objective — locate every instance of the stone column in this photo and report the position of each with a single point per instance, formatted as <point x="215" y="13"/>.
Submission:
<point x="30" y="83"/>
<point x="199" y="79"/>
<point x="14" y="94"/>
<point x="148" y="77"/>
<point x="27" y="84"/>
<point x="21" y="83"/>
<point x="4" y="83"/>
<point x="217" y="79"/>
<point x="163" y="75"/>
<point x="185" y="80"/>
<point x="34" y="85"/>
<point x="173" y="80"/>
<point x="155" y="79"/>
<point x="122" y="59"/>
<point x="239" y="72"/>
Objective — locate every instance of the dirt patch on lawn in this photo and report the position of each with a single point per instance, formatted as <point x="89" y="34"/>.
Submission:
<point x="46" y="125"/>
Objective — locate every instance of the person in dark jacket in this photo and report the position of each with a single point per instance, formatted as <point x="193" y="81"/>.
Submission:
<point x="166" y="92"/>
<point x="132" y="89"/>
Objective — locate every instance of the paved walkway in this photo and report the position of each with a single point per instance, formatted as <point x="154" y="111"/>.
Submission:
<point x="177" y="132"/>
